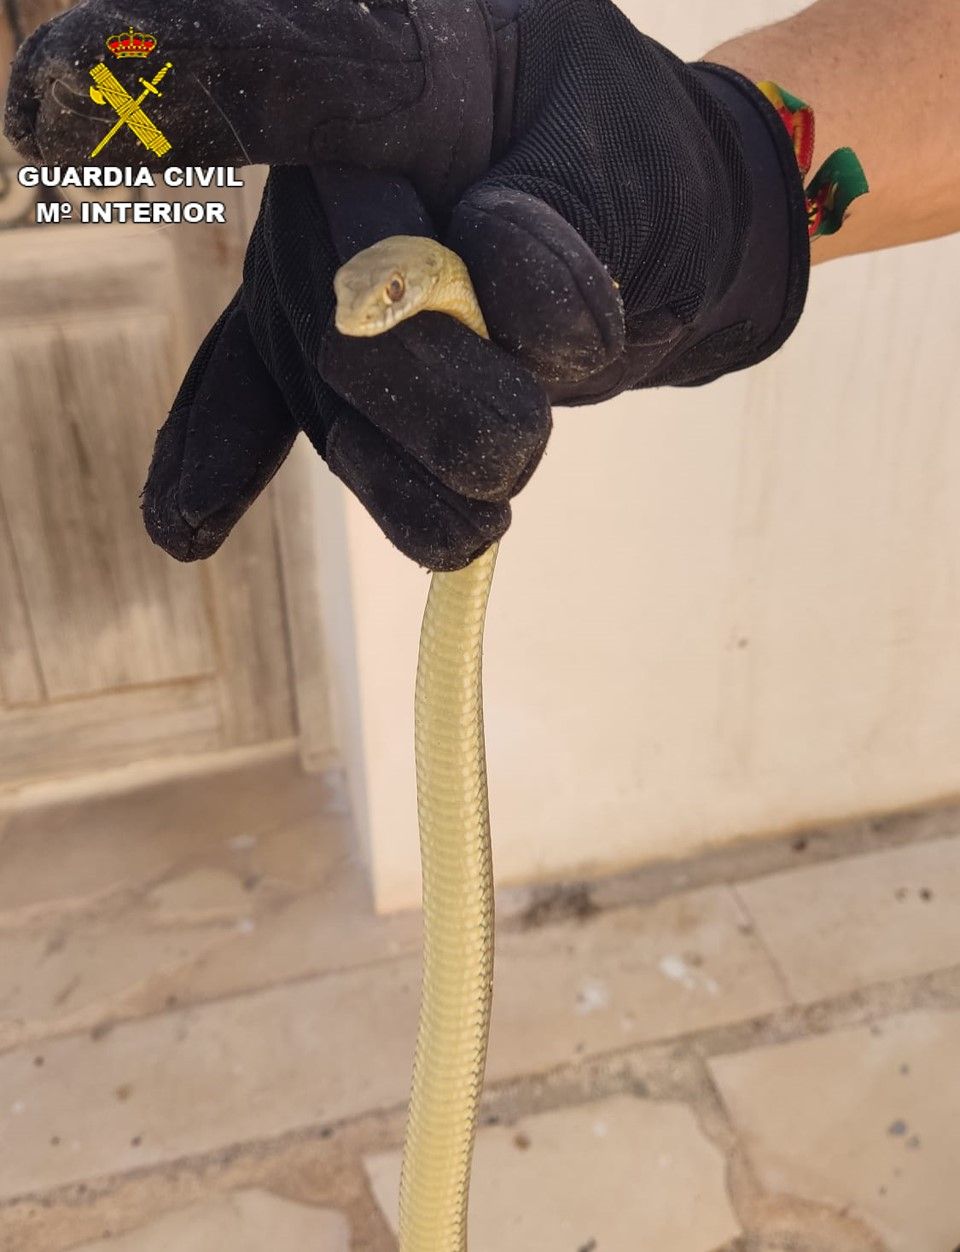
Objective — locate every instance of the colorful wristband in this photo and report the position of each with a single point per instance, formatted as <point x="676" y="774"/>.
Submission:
<point x="838" y="182"/>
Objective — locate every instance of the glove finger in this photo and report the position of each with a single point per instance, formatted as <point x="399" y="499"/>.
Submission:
<point x="426" y="520"/>
<point x="428" y="523"/>
<point x="469" y="413"/>
<point x="546" y="296"/>
<point x="288" y="293"/>
<point x="289" y="82"/>
<point x="227" y="434"/>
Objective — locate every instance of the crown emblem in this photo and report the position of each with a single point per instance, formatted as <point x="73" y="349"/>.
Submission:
<point x="132" y="43"/>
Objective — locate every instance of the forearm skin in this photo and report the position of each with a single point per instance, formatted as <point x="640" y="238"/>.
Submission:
<point x="882" y="79"/>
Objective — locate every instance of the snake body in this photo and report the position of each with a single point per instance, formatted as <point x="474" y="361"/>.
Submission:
<point x="394" y="280"/>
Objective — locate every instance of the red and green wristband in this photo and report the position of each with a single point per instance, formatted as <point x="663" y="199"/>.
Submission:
<point x="838" y="182"/>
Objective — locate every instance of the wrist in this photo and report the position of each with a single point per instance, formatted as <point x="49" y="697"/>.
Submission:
<point x="765" y="297"/>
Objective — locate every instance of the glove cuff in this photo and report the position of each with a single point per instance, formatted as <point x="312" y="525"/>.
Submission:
<point x="762" y="305"/>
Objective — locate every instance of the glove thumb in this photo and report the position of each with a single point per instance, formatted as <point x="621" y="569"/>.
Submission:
<point x="545" y="295"/>
<point x="227" y="435"/>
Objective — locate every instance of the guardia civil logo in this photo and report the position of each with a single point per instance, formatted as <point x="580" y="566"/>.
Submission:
<point x="107" y="90"/>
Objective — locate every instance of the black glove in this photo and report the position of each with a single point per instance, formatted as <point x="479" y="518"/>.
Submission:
<point x="432" y="427"/>
<point x="402" y="87"/>
<point x="680" y="179"/>
<point x="630" y="221"/>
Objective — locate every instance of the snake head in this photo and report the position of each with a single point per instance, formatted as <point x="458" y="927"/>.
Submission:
<point x="385" y="284"/>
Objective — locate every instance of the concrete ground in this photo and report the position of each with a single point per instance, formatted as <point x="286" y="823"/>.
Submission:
<point x="205" y="1039"/>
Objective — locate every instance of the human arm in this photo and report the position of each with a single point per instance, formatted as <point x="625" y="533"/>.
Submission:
<point x="882" y="78"/>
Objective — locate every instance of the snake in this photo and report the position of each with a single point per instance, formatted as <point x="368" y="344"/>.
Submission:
<point x="380" y="287"/>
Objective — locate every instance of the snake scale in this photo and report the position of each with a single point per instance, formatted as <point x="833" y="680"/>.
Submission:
<point x="394" y="280"/>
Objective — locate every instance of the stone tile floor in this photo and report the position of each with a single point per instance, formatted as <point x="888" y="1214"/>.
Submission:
<point x="205" y="1038"/>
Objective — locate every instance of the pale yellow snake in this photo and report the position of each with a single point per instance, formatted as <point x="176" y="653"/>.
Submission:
<point x="391" y="281"/>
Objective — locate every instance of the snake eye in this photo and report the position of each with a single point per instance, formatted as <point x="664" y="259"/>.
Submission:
<point x="394" y="289"/>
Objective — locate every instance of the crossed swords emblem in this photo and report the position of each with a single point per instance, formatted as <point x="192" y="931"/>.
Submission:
<point x="129" y="110"/>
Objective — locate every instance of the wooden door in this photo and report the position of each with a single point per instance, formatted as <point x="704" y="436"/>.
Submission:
<point x="110" y="652"/>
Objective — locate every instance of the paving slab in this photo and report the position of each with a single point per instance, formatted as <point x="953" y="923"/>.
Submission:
<point x="780" y="1223"/>
<point x="185" y="949"/>
<point x="266" y="820"/>
<point x="182" y="1083"/>
<point x="198" y="896"/>
<point x="121" y="907"/>
<point x="73" y="978"/>
<point x="612" y="1175"/>
<point x="627" y="976"/>
<point x="245" y="1221"/>
<point x="865" y="1120"/>
<point x="335" y="1046"/>
<point x="836" y="927"/>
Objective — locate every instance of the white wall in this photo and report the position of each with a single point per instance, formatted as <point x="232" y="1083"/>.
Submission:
<point x="720" y="611"/>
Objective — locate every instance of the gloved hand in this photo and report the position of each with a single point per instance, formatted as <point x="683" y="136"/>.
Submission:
<point x="432" y="427"/>
<point x="681" y="180"/>
<point x="628" y="220"/>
